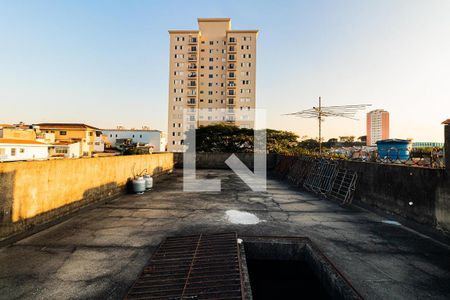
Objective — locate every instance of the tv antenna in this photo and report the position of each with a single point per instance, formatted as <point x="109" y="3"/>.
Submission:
<point x="322" y="112"/>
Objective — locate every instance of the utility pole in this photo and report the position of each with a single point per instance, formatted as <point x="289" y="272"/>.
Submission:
<point x="319" y="116"/>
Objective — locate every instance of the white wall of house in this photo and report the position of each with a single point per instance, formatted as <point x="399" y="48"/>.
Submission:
<point x="69" y="150"/>
<point x="153" y="138"/>
<point x="14" y="152"/>
<point x="99" y="144"/>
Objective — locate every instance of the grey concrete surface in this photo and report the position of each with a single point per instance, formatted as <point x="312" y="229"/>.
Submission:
<point x="97" y="254"/>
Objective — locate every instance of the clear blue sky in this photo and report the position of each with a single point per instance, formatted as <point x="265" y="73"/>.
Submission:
<point x="106" y="62"/>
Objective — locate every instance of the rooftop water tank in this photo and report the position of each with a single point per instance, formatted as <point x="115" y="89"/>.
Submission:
<point x="394" y="149"/>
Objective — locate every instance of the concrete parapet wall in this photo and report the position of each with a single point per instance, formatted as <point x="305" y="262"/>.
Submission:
<point x="415" y="193"/>
<point x="37" y="192"/>
<point x="216" y="160"/>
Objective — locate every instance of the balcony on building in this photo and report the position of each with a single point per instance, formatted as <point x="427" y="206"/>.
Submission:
<point x="231" y="75"/>
<point x="192" y="75"/>
<point x="192" y="67"/>
<point x="231" y="67"/>
<point x="232" y="49"/>
<point x="192" y="93"/>
<point x="192" y="49"/>
<point x="191" y="102"/>
<point x="231" y="85"/>
<point x="193" y="40"/>
<point x="230" y="101"/>
<point x="231" y="57"/>
<point x="231" y="40"/>
<point x="192" y="83"/>
<point x="192" y="58"/>
<point x="232" y="93"/>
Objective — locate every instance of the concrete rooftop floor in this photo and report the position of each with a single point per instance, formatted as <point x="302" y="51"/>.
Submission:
<point x="98" y="253"/>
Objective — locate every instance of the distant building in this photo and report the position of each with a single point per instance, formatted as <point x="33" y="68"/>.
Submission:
<point x="17" y="149"/>
<point x="65" y="149"/>
<point x="427" y="144"/>
<point x="212" y="69"/>
<point x="73" y="132"/>
<point x="99" y="142"/>
<point x="377" y="126"/>
<point x="142" y="137"/>
<point x="18" y="131"/>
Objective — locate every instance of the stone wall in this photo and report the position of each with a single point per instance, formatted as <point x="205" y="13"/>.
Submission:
<point x="36" y="192"/>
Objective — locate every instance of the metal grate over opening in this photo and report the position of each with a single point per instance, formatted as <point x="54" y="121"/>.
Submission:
<point x="192" y="267"/>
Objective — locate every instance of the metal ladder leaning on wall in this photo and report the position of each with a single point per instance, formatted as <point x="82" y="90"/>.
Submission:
<point x="327" y="179"/>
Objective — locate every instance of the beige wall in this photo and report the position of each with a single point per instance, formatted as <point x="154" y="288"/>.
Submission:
<point x="18" y="134"/>
<point x="30" y="189"/>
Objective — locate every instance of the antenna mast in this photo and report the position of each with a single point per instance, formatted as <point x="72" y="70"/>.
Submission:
<point x="320" y="112"/>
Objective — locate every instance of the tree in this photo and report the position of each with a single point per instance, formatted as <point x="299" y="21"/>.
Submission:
<point x="309" y="144"/>
<point x="230" y="138"/>
<point x="347" y="139"/>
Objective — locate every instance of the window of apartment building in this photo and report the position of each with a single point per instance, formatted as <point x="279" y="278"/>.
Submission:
<point x="244" y="82"/>
<point x="211" y="50"/>
<point x="90" y="133"/>
<point x="116" y="135"/>
<point x="210" y="92"/>
<point x="211" y="59"/>
<point x="210" y="84"/>
<point x="211" y="43"/>
<point x="62" y="132"/>
<point x="210" y="76"/>
<point x="210" y="101"/>
<point x="211" y="67"/>
<point x="22" y="150"/>
<point x="13" y="151"/>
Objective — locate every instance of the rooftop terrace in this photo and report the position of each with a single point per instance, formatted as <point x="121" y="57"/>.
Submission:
<point x="99" y="253"/>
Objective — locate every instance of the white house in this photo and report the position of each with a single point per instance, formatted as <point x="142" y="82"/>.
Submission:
<point x="15" y="149"/>
<point x="99" y="143"/>
<point x="144" y="137"/>
<point x="65" y="149"/>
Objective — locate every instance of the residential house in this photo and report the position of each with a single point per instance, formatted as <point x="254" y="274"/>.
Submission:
<point x="65" y="149"/>
<point x="17" y="149"/>
<point x="72" y="133"/>
<point x="141" y="137"/>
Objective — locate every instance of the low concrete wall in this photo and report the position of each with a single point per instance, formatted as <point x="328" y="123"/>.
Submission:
<point x="37" y="192"/>
<point x="410" y="192"/>
<point x="418" y="194"/>
<point x="216" y="160"/>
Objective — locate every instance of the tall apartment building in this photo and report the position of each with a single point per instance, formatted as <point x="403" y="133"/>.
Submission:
<point x="377" y="126"/>
<point x="212" y="76"/>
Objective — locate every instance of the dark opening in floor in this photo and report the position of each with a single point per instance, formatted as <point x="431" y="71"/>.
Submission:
<point x="283" y="279"/>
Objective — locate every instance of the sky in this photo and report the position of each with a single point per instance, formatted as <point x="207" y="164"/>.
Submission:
<point x="106" y="63"/>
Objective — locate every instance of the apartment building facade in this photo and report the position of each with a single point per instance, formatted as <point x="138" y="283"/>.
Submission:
<point x="377" y="126"/>
<point x="212" y="78"/>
